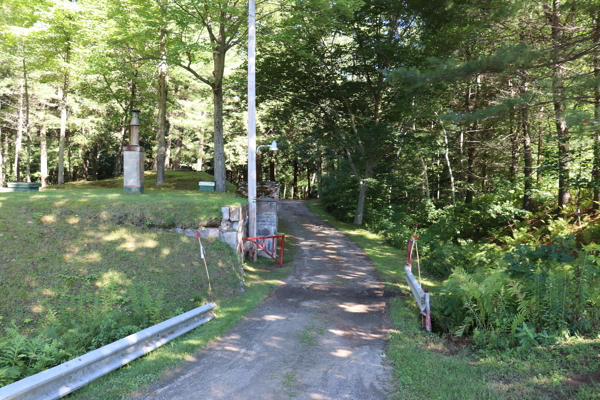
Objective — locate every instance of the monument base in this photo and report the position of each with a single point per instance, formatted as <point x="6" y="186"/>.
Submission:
<point x="133" y="167"/>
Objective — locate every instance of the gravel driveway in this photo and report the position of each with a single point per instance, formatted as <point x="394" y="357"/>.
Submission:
<point x="321" y="336"/>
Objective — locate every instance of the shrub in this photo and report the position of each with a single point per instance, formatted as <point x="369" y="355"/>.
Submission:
<point x="537" y="296"/>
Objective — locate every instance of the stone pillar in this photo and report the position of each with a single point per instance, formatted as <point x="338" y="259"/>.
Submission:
<point x="133" y="158"/>
<point x="267" y="198"/>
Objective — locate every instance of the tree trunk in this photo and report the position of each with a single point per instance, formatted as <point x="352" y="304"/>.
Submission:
<point x="453" y="189"/>
<point x="295" y="182"/>
<point x="162" y="105"/>
<point x="514" y="148"/>
<point x="177" y="160"/>
<point x="95" y="162"/>
<point x="69" y="144"/>
<point x="470" y="173"/>
<point x="596" y="170"/>
<point x="17" y="164"/>
<point x="540" y="151"/>
<point x="26" y="125"/>
<point x="308" y="179"/>
<point x="219" y="157"/>
<point x="1" y="153"/>
<point x="426" y="193"/>
<point x="320" y="176"/>
<point x="272" y="169"/>
<point x="86" y="163"/>
<point x="362" y="194"/>
<point x="200" y="153"/>
<point x="168" y="152"/>
<point x="484" y="171"/>
<point x="528" y="159"/>
<point x="64" y="92"/>
<point x="28" y="161"/>
<point x="558" y="91"/>
<point x="5" y="158"/>
<point x="259" y="177"/>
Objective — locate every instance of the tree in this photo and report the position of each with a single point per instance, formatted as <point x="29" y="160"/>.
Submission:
<point x="216" y="26"/>
<point x="334" y="58"/>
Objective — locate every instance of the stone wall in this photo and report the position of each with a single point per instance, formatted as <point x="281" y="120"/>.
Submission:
<point x="234" y="227"/>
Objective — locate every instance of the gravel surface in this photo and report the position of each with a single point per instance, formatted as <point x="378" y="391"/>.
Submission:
<point x="320" y="336"/>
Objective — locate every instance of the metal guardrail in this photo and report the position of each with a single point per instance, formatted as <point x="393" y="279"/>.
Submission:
<point x="421" y="296"/>
<point x="67" y="377"/>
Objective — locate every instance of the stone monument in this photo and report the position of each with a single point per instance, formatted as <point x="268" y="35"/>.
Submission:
<point x="133" y="158"/>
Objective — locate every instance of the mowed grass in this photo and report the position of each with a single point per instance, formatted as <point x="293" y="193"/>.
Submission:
<point x="178" y="203"/>
<point x="62" y="249"/>
<point x="64" y="253"/>
<point x="427" y="366"/>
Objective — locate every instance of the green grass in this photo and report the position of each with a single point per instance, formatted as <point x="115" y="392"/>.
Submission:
<point x="63" y="249"/>
<point x="178" y="203"/>
<point x="178" y="180"/>
<point x="85" y="253"/>
<point x="260" y="279"/>
<point x="427" y="366"/>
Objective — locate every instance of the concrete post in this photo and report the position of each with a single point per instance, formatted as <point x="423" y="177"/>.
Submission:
<point x="133" y="158"/>
<point x="252" y="120"/>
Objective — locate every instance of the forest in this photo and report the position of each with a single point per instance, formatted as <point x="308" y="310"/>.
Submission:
<point x="472" y="125"/>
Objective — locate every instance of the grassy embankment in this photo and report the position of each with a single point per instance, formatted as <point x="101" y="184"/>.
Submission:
<point x="80" y="254"/>
<point x="427" y="366"/>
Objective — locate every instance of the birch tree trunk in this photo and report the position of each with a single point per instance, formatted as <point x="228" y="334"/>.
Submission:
<point x="43" y="153"/>
<point x="528" y="160"/>
<point x="446" y="156"/>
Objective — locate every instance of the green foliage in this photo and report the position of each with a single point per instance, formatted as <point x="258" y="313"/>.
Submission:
<point x="443" y="257"/>
<point x="529" y="303"/>
<point x="21" y="356"/>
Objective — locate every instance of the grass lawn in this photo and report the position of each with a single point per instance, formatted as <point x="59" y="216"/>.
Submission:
<point x="63" y="249"/>
<point x="427" y="366"/>
<point x="88" y="254"/>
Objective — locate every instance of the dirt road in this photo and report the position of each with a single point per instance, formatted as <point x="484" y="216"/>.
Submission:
<point x="320" y="336"/>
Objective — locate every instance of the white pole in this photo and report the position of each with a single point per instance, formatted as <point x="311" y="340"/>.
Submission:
<point x="252" y="119"/>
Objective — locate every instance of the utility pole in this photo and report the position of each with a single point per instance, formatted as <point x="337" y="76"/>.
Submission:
<point x="252" y="120"/>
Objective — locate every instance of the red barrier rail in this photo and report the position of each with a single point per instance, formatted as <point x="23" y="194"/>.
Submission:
<point x="260" y="247"/>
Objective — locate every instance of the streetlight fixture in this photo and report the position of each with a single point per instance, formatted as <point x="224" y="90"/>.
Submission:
<point x="272" y="147"/>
